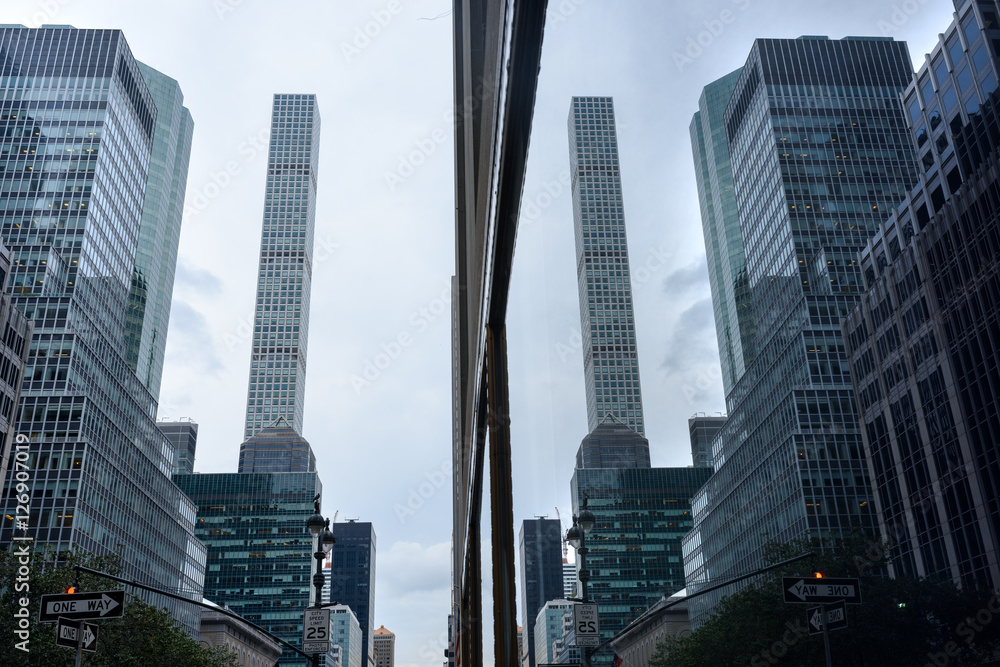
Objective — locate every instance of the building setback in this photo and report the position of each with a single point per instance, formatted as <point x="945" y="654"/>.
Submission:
<point x="820" y="155"/>
<point x="610" y="360"/>
<point x="277" y="448"/>
<point x="82" y="132"/>
<point x="703" y="432"/>
<point x="281" y="319"/>
<point x="540" y="549"/>
<point x="923" y="340"/>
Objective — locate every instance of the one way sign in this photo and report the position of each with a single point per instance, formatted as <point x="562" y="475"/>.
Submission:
<point x="66" y="635"/>
<point x="104" y="604"/>
<point x="822" y="590"/>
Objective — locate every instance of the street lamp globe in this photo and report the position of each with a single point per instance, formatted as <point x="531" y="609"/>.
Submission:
<point x="326" y="538"/>
<point x="574" y="536"/>
<point x="316" y="523"/>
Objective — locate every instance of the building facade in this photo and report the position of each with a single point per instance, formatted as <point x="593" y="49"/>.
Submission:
<point x="607" y="323"/>
<point x="281" y="319"/>
<point x="727" y="271"/>
<point x="540" y="549"/>
<point x="82" y="129"/>
<point x="634" y="554"/>
<point x="569" y="579"/>
<point x="548" y="629"/>
<point x="252" y="647"/>
<point x="277" y="448"/>
<point x="13" y="355"/>
<point x="820" y="155"/>
<point x="613" y="444"/>
<point x="703" y="430"/>
<point x="183" y="438"/>
<point x="259" y="549"/>
<point x="345" y="632"/>
<point x="923" y="340"/>
<point x="638" y="645"/>
<point x="350" y="579"/>
<point x="385" y="647"/>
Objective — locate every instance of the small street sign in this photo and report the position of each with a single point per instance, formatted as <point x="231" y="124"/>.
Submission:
<point x="586" y="625"/>
<point x="316" y="631"/>
<point x="823" y="590"/>
<point x="66" y="634"/>
<point x="82" y="606"/>
<point x="836" y="615"/>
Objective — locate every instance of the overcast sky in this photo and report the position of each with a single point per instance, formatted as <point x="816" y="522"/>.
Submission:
<point x="384" y="238"/>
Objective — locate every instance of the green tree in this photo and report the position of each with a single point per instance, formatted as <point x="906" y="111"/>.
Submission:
<point x="903" y="621"/>
<point x="144" y="637"/>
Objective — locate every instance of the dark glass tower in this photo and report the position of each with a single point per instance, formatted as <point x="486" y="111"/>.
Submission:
<point x="281" y="320"/>
<point x="727" y="271"/>
<point x="352" y="578"/>
<point x="183" y="438"/>
<point x="703" y="432"/>
<point x="82" y="131"/>
<point x="924" y="340"/>
<point x="607" y="324"/>
<point x="259" y="549"/>
<point x="613" y="445"/>
<point x="820" y="155"/>
<point x="540" y="544"/>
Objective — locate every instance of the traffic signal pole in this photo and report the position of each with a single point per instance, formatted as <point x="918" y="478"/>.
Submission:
<point x="826" y="635"/>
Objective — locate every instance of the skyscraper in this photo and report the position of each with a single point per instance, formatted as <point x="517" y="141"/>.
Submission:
<point x="613" y="444"/>
<point x="727" y="272"/>
<point x="385" y="647"/>
<point x="159" y="231"/>
<point x="820" y="155"/>
<point x="540" y="547"/>
<point x="183" y="438"/>
<point x="281" y="319"/>
<point x="703" y="430"/>
<point x="258" y="545"/>
<point x="610" y="360"/>
<point x="925" y="336"/>
<point x="351" y="578"/>
<point x="83" y="128"/>
<point x="13" y="356"/>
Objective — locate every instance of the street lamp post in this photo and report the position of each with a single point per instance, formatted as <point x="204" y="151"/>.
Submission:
<point x="577" y="537"/>
<point x="324" y="541"/>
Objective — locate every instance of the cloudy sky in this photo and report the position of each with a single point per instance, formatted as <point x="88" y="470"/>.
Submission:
<point x="382" y="71"/>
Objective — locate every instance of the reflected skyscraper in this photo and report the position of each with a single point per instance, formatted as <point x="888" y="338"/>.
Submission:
<point x="284" y="276"/>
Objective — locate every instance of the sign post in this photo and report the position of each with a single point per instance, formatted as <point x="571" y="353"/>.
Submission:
<point x="316" y="631"/>
<point x="68" y="635"/>
<point x="586" y="625"/>
<point x="82" y="606"/>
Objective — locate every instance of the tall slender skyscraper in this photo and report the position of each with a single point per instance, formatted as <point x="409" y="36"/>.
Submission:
<point x="284" y="277"/>
<point x="81" y="128"/>
<point x="610" y="361"/>
<point x="820" y="155"/>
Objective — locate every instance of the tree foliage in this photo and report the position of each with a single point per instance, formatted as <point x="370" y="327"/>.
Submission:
<point x="903" y="621"/>
<point x="144" y="637"/>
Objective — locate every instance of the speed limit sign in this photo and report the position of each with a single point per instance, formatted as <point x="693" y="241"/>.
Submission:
<point x="586" y="625"/>
<point x="316" y="631"/>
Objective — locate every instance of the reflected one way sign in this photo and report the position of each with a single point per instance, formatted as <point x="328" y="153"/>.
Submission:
<point x="822" y="590"/>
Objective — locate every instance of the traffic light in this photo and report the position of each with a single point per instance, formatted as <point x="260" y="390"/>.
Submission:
<point x="818" y="575"/>
<point x="70" y="590"/>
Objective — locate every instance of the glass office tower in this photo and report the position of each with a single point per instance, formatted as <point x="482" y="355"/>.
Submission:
<point x="727" y="271"/>
<point x="259" y="549"/>
<point x="183" y="438"/>
<point x="635" y="546"/>
<point x="820" y="155"/>
<point x="924" y="340"/>
<point x="540" y="549"/>
<point x="281" y="319"/>
<point x="80" y="130"/>
<point x="607" y="324"/>
<point x="351" y="579"/>
<point x="277" y="448"/>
